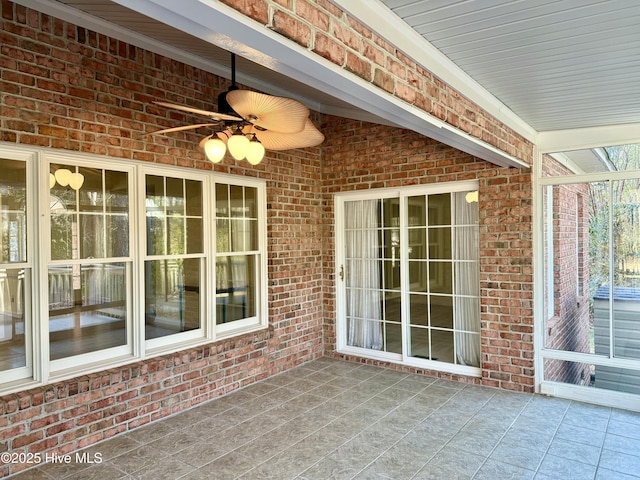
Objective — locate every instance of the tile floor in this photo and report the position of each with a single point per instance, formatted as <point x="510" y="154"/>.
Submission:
<point x="339" y="420"/>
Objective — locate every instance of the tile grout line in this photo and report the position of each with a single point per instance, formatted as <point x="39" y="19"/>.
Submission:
<point x="606" y="430"/>
<point x="385" y="415"/>
<point x="354" y="436"/>
<point x="403" y="436"/>
<point x="307" y="436"/>
<point x="412" y="428"/>
<point x="462" y="427"/>
<point x="546" y="452"/>
<point x="314" y="431"/>
<point x="502" y="437"/>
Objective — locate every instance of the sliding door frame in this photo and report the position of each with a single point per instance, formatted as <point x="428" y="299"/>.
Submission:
<point x="402" y="193"/>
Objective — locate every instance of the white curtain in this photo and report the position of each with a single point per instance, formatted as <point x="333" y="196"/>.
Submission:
<point x="466" y="280"/>
<point x="364" y="318"/>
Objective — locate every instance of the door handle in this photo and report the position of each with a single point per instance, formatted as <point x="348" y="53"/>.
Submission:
<point x="341" y="272"/>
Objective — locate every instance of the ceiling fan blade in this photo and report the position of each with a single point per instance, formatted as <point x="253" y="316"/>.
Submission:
<point x="279" y="114"/>
<point x="206" y="113"/>
<point x="184" y="127"/>
<point x="310" y="136"/>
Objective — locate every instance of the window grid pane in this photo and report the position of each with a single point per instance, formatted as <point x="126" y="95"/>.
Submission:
<point x="87" y="308"/>
<point x="14" y="279"/>
<point x="13" y="211"/>
<point x="237" y="257"/>
<point x="173" y="278"/>
<point x="173" y="296"/>
<point x="440" y="289"/>
<point x="88" y="287"/>
<point x="14" y="285"/>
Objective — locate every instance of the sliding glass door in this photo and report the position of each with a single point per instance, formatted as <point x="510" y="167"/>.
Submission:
<point x="408" y="290"/>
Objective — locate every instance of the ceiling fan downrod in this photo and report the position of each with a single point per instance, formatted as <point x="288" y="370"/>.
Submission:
<point x="223" y="104"/>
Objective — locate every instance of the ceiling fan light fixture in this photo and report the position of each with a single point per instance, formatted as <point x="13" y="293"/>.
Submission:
<point x="248" y="123"/>
<point x="255" y="151"/>
<point x="238" y="144"/>
<point x="214" y="149"/>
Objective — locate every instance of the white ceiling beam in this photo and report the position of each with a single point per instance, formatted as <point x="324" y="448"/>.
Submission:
<point x="586" y="138"/>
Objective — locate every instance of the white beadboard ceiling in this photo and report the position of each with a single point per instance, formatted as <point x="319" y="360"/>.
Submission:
<point x="558" y="64"/>
<point x="540" y="66"/>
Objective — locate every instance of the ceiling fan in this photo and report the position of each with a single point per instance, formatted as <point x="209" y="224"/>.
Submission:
<point x="249" y="122"/>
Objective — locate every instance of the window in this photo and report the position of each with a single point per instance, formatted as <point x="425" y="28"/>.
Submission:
<point x="125" y="254"/>
<point x="90" y="264"/>
<point x="237" y="255"/>
<point x="15" y="266"/>
<point x="410" y="289"/>
<point x="444" y="304"/>
<point x="589" y="335"/>
<point x="175" y="261"/>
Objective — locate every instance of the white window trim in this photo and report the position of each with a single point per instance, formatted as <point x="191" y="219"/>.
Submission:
<point x="176" y="341"/>
<point x="71" y="366"/>
<point x="260" y="321"/>
<point x="41" y="371"/>
<point x="26" y="374"/>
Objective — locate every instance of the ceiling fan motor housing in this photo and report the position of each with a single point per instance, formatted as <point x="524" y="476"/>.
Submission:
<point x="223" y="104"/>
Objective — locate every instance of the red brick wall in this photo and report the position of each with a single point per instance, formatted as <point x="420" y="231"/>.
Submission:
<point x="362" y="156"/>
<point x="322" y="28"/>
<point x="62" y="86"/>
<point x="66" y="416"/>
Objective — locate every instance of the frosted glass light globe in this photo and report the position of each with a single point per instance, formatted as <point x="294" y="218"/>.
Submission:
<point x="238" y="145"/>
<point x="255" y="152"/>
<point x="214" y="149"/>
